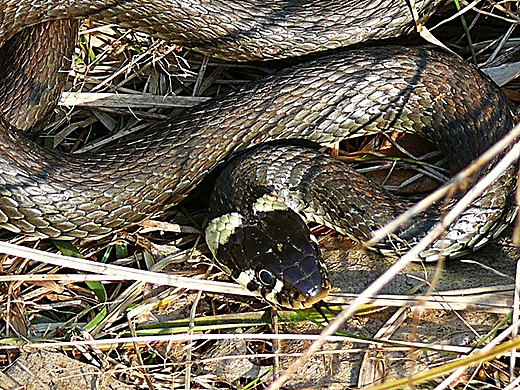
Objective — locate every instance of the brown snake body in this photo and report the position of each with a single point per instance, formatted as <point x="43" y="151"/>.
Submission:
<point x="431" y="93"/>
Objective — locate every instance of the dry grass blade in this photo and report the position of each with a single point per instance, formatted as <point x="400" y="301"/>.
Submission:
<point x="457" y="366"/>
<point x="372" y="371"/>
<point x="117" y="100"/>
<point x="143" y="340"/>
<point x="491" y="300"/>
<point x="461" y="178"/>
<point x="122" y="273"/>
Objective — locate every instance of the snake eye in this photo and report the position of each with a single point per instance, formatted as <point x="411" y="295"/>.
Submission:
<point x="266" y="278"/>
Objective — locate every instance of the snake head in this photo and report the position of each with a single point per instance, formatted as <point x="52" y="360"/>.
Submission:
<point x="272" y="254"/>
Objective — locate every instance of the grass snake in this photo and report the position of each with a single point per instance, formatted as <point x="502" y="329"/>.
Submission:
<point x="358" y="92"/>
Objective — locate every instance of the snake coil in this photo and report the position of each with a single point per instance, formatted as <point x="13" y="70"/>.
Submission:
<point x="349" y="94"/>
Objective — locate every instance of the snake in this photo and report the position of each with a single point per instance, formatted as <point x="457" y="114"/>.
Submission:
<point x="258" y="134"/>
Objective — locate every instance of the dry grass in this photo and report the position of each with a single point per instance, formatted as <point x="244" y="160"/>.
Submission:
<point x="121" y="312"/>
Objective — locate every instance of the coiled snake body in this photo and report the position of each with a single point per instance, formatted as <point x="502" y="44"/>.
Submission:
<point x="364" y="91"/>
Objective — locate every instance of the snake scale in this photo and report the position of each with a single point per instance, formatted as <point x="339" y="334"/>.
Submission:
<point x="370" y="90"/>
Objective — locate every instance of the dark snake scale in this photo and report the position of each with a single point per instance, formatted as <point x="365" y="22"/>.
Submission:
<point x="354" y="93"/>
